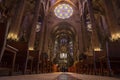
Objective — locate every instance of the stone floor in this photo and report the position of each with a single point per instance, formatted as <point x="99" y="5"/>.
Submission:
<point x="58" y="76"/>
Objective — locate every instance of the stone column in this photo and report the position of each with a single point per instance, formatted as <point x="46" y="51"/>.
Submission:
<point x="94" y="23"/>
<point x="43" y="37"/>
<point x="41" y="42"/>
<point x="111" y="17"/>
<point x="47" y="35"/>
<point x="113" y="27"/>
<point x="84" y="31"/>
<point x="80" y="40"/>
<point x="34" y="23"/>
<point x="95" y="41"/>
<point x="15" y="26"/>
<point x="5" y="29"/>
<point x="94" y="26"/>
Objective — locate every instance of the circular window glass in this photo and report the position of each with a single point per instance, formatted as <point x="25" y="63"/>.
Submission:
<point x="63" y="11"/>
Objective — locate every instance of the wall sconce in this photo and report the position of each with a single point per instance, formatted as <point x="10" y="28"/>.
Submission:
<point x="97" y="49"/>
<point x="12" y="36"/>
<point x="31" y="48"/>
<point x="115" y="36"/>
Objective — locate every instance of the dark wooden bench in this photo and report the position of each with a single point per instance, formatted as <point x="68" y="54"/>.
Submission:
<point x="108" y="60"/>
<point x="8" y="59"/>
<point x="7" y="52"/>
<point x="34" y="61"/>
<point x="86" y="65"/>
<point x="114" y="56"/>
<point x="43" y="62"/>
<point x="20" y="59"/>
<point x="22" y="55"/>
<point x="101" y="61"/>
<point x="14" y="55"/>
<point x="89" y="65"/>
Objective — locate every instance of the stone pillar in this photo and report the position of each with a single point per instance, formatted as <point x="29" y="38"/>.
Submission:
<point x="111" y="17"/>
<point x="34" y="23"/>
<point x="5" y="26"/>
<point x="84" y="31"/>
<point x="80" y="40"/>
<point x="47" y="35"/>
<point x="94" y="26"/>
<point x="43" y="37"/>
<point x="15" y="26"/>
<point x="41" y="43"/>
<point x="95" y="42"/>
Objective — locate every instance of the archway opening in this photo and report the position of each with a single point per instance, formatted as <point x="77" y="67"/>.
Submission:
<point x="63" y="37"/>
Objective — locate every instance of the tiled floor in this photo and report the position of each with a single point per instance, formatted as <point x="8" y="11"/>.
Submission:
<point x="58" y="76"/>
<point x="65" y="76"/>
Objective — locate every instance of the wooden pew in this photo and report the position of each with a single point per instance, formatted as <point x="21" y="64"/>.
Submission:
<point x="22" y="60"/>
<point x="8" y="59"/>
<point x="108" y="59"/>
<point x="114" y="56"/>
<point x="7" y="52"/>
<point x="34" y="62"/>
<point x="101" y="61"/>
<point x="45" y="63"/>
<point x="39" y="65"/>
<point x="85" y="65"/>
<point x="81" y="66"/>
<point x="89" y="65"/>
<point x="22" y="55"/>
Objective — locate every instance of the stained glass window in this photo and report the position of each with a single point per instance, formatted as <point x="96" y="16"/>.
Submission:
<point x="38" y="27"/>
<point x="71" y="48"/>
<point x="63" y="11"/>
<point x="55" y="47"/>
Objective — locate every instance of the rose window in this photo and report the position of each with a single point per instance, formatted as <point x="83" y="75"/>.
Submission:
<point x="63" y="11"/>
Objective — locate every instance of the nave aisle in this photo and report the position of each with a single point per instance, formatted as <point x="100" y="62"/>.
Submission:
<point x="58" y="76"/>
